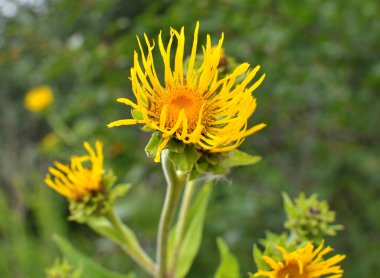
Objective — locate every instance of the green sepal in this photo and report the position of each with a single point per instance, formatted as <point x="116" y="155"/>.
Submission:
<point x="258" y="258"/>
<point x="176" y="146"/>
<point x="136" y="114"/>
<point x="202" y="167"/>
<point x="270" y="243"/>
<point x="91" y="205"/>
<point x="118" y="191"/>
<point x="193" y="174"/>
<point x="272" y="240"/>
<point x="219" y="169"/>
<point x="229" y="265"/>
<point x="86" y="266"/>
<point x="289" y="208"/>
<point x="239" y="158"/>
<point x="108" y="179"/>
<point x="98" y="203"/>
<point x="185" y="160"/>
<point x="152" y="146"/>
<point x="208" y="163"/>
<point x="146" y="128"/>
<point x="215" y="158"/>
<point x="221" y="163"/>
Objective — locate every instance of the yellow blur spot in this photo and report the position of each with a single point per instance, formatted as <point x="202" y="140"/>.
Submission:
<point x="38" y="98"/>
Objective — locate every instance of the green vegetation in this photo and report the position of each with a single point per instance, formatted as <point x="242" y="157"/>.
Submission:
<point x="319" y="99"/>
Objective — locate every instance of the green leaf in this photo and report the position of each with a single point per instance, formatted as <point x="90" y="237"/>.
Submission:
<point x="87" y="267"/>
<point x="152" y="146"/>
<point x="118" y="191"/>
<point x="193" y="233"/>
<point x="105" y="228"/>
<point x="229" y="265"/>
<point x="184" y="161"/>
<point x="239" y="158"/>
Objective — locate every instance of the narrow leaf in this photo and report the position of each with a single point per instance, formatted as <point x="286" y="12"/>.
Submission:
<point x="229" y="265"/>
<point x="239" y="158"/>
<point x="193" y="234"/>
<point x="105" y="228"/>
<point x="87" y="267"/>
<point x="118" y="191"/>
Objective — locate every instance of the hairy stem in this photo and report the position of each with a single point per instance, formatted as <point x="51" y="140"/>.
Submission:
<point x="182" y="218"/>
<point x="174" y="186"/>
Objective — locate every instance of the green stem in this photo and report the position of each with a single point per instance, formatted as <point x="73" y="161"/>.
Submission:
<point x="182" y="218"/>
<point x="130" y="244"/>
<point x="174" y="185"/>
<point x="63" y="131"/>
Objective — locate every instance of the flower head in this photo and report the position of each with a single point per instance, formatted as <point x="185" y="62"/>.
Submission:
<point x="75" y="181"/>
<point x="38" y="98"/>
<point x="304" y="262"/>
<point x="193" y="105"/>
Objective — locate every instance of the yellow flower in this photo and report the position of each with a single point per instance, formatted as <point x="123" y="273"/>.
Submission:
<point x="194" y="105"/>
<point x="303" y="263"/>
<point x="38" y="98"/>
<point x="75" y="181"/>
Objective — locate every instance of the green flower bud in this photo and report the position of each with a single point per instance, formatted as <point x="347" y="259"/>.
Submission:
<point x="309" y="219"/>
<point x="62" y="269"/>
<point x="97" y="203"/>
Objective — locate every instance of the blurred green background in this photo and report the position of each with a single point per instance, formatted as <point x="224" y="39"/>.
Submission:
<point x="320" y="100"/>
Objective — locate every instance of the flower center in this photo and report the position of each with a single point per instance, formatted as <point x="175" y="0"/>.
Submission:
<point x="292" y="270"/>
<point x="183" y="99"/>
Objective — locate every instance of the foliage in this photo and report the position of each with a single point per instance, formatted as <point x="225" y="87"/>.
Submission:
<point x="319" y="100"/>
<point x="83" y="264"/>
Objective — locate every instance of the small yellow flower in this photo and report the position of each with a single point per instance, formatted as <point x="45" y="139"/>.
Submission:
<point x="38" y="98"/>
<point x="304" y="262"/>
<point x="194" y="105"/>
<point x="75" y="181"/>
